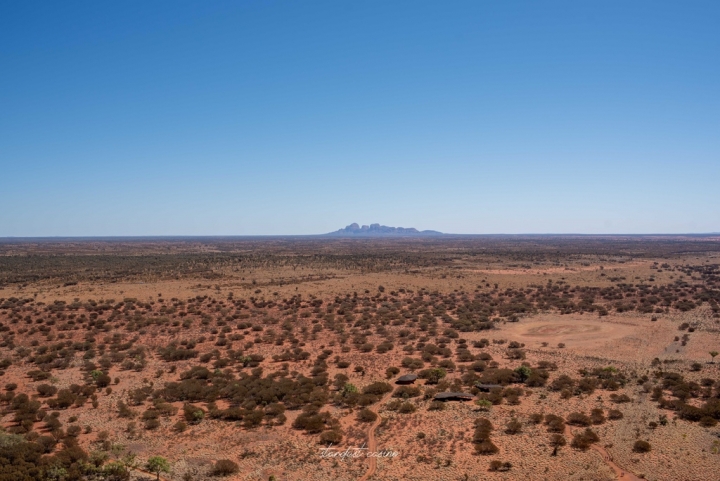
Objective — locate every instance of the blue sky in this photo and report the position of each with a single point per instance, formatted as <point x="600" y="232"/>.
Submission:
<point x="242" y="118"/>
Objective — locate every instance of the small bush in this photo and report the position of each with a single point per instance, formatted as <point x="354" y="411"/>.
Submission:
<point x="500" y="466"/>
<point x="557" y="440"/>
<point x="331" y="437"/>
<point x="583" y="440"/>
<point x="412" y="363"/>
<point x="377" y="388"/>
<point x="225" y="467"/>
<point x="620" y="398"/>
<point x="391" y="371"/>
<point x="578" y="419"/>
<point x="641" y="446"/>
<point x="513" y="427"/>
<point x="486" y="448"/>
<point x="536" y="418"/>
<point x="366" y="416"/>
<point x="406" y="392"/>
<point x="555" y="424"/>
<point x="124" y="411"/>
<point x="151" y="424"/>
<point x="614" y="414"/>
<point x="708" y="422"/>
<point x="193" y="414"/>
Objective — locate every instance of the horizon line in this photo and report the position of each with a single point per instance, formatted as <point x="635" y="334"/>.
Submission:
<point x="351" y="236"/>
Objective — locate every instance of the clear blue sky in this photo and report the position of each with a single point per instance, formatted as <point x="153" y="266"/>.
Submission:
<point x="300" y="117"/>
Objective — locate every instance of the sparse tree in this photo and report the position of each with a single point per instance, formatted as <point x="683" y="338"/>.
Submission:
<point x="557" y="441"/>
<point x="157" y="465"/>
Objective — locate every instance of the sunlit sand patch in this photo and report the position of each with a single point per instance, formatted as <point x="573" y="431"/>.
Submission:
<point x="561" y="329"/>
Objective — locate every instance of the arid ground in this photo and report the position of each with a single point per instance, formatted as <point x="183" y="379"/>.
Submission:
<point x="583" y="358"/>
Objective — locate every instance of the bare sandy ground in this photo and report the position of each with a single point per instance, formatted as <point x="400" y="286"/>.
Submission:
<point x="576" y="331"/>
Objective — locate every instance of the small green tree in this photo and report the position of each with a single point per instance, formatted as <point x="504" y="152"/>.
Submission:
<point x="523" y="372"/>
<point x="713" y="354"/>
<point x="349" y="388"/>
<point x="435" y="374"/>
<point x="157" y="465"/>
<point x="483" y="404"/>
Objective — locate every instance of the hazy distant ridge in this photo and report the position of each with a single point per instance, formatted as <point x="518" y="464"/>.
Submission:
<point x="377" y="230"/>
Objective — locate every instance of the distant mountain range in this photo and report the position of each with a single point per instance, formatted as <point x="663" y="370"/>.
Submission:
<point x="377" y="230"/>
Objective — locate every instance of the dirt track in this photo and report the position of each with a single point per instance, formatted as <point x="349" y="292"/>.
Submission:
<point x="372" y="443"/>
<point x="622" y="473"/>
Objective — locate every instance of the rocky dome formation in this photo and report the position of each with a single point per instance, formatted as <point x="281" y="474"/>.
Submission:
<point x="377" y="230"/>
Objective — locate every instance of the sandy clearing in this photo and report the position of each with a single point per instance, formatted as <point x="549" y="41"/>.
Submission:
<point x="575" y="331"/>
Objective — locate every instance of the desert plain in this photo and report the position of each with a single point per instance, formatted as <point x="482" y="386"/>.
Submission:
<point x="576" y="357"/>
